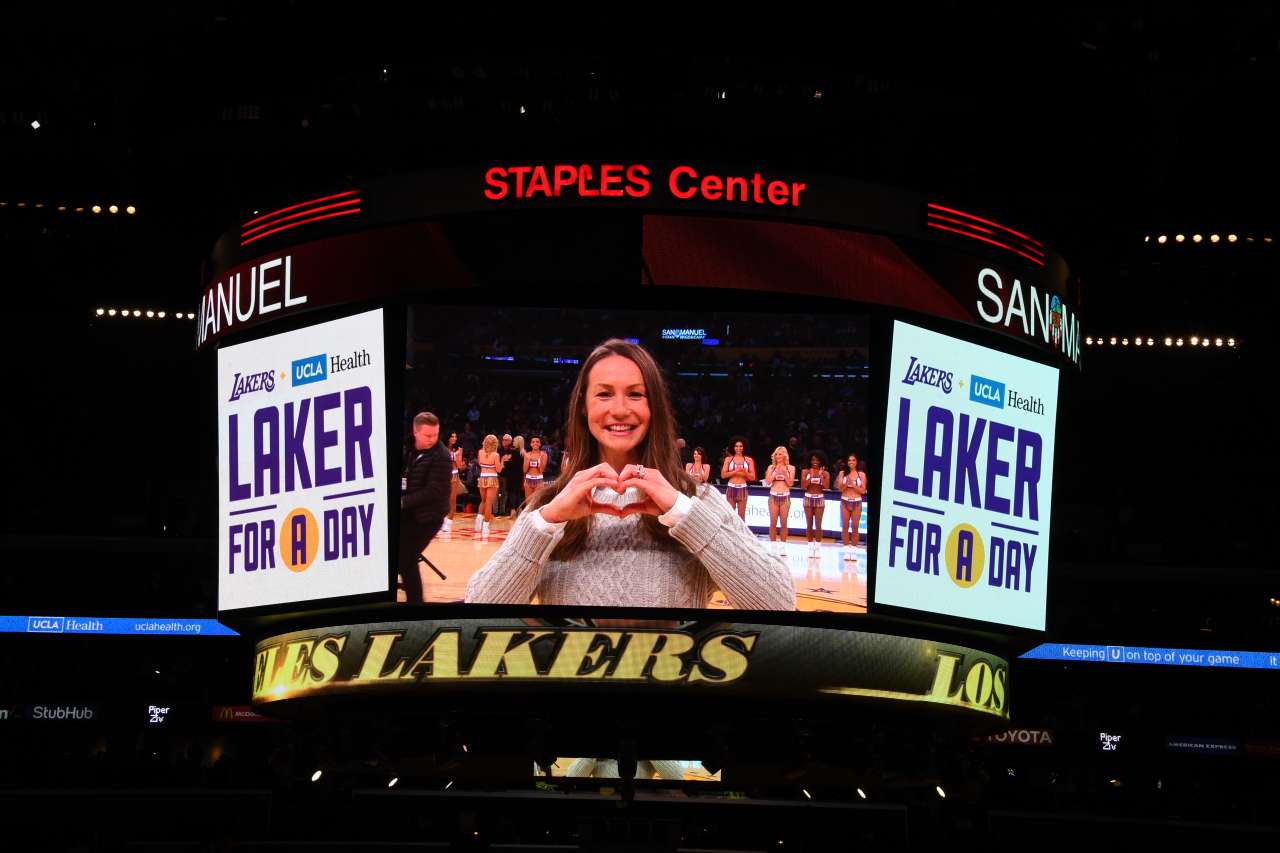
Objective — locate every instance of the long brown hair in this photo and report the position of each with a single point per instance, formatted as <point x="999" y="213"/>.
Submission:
<point x="657" y="449"/>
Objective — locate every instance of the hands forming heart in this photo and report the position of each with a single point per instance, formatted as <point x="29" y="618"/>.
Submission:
<point x="577" y="499"/>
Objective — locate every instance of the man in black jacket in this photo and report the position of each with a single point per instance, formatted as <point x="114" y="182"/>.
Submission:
<point x="424" y="498"/>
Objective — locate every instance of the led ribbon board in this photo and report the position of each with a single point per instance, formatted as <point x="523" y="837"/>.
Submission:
<point x="968" y="450"/>
<point x="302" y="494"/>
<point x="435" y="658"/>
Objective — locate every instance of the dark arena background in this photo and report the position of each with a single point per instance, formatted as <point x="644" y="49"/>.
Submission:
<point x="418" y="447"/>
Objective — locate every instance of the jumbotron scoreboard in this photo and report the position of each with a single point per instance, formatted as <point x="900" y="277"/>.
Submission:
<point x="876" y="373"/>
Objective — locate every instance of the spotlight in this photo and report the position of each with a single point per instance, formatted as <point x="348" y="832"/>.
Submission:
<point x="1146" y="239"/>
<point x="1168" y="342"/>
<point x="1124" y="342"/>
<point x="151" y="313"/>
<point x="160" y="314"/>
<point x="1089" y="341"/>
<point x="62" y="208"/>
<point x="1180" y="238"/>
<point x="22" y="204"/>
<point x="97" y="208"/>
<point x="131" y="210"/>
<point x="394" y="780"/>
<point x="1204" y="342"/>
<point x="807" y="795"/>
<point x="1196" y="238"/>
<point x="941" y="793"/>
<point x="1179" y="343"/>
<point x="1266" y="239"/>
<point x="1113" y="341"/>
<point x="862" y="793"/>
<point x="111" y="312"/>
<point x="100" y="312"/>
<point x="1151" y="342"/>
<point x="1217" y="342"/>
<point x="522" y="110"/>
<point x="1231" y="238"/>
<point x="1231" y="342"/>
<point x="1137" y="342"/>
<point x="39" y="205"/>
<point x="448" y="785"/>
<point x="1162" y="239"/>
<point x="137" y="313"/>
<point x="35" y="125"/>
<point x="315" y="777"/>
<point x="1214" y="238"/>
<point x="1195" y="340"/>
<point x="113" y="209"/>
<point x="79" y="210"/>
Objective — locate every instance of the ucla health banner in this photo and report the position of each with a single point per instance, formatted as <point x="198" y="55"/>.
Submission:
<point x="302" y="494"/>
<point x="964" y="519"/>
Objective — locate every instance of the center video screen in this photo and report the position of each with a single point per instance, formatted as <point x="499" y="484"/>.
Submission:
<point x="625" y="458"/>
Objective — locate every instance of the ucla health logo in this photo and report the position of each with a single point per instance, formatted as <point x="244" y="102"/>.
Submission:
<point x="246" y="384"/>
<point x="918" y="371"/>
<point x="988" y="392"/>
<point x="45" y="624"/>
<point x="313" y="368"/>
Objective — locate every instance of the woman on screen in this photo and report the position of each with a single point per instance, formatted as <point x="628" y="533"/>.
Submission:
<point x="455" y="480"/>
<point x="535" y="465"/>
<point x="623" y="524"/>
<point x="738" y="470"/>
<point x="490" y="467"/>
<point x="816" y="480"/>
<point x="852" y="484"/>
<point x="699" y="470"/>
<point x="779" y="476"/>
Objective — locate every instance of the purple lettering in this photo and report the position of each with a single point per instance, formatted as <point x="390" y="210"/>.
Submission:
<point x="266" y="449"/>
<point x="239" y="490"/>
<point x="359" y="431"/>
<point x="902" y="481"/>
<point x="938" y="423"/>
<point x="324" y="439"/>
<point x="967" y="459"/>
<point x="295" y="451"/>
<point x="1026" y="475"/>
<point x="234" y="548"/>
<point x="996" y="467"/>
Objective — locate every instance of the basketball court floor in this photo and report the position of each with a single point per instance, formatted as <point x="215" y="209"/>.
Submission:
<point x="825" y="582"/>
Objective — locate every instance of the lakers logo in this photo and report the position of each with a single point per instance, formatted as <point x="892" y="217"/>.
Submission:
<point x="965" y="555"/>
<point x="299" y="540"/>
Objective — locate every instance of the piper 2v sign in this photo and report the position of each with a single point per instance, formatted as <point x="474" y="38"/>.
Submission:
<point x="302" y="494"/>
<point x="964" y="522"/>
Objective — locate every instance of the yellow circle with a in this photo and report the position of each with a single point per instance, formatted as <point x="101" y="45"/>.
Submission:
<point x="966" y="555"/>
<point x="299" y="540"/>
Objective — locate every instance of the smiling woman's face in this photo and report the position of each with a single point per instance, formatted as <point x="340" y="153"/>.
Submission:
<point x="617" y="408"/>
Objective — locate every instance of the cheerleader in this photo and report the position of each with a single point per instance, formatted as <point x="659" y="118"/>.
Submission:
<point x="490" y="467"/>
<point x="699" y="470"/>
<point x="815" y="480"/>
<point x="780" y="476"/>
<point x="852" y="484"/>
<point x="535" y="463"/>
<point x="738" y="470"/>
<point x="456" y="465"/>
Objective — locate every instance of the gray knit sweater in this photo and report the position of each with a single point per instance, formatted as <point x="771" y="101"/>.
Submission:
<point x="624" y="565"/>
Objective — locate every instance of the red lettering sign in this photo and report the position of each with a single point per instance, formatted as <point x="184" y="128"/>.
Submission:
<point x="615" y="180"/>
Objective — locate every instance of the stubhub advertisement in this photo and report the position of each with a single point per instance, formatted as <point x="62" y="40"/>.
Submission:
<point x="964" y="514"/>
<point x="302" y="479"/>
